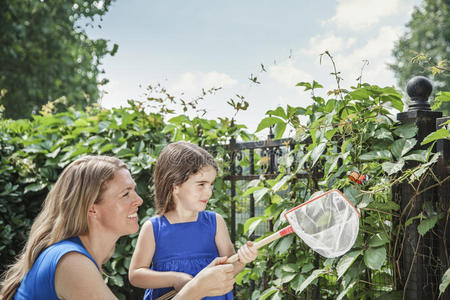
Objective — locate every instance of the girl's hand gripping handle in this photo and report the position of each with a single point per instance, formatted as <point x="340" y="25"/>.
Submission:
<point x="275" y="236"/>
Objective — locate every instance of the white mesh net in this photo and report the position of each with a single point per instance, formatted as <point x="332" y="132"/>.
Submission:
<point x="328" y="223"/>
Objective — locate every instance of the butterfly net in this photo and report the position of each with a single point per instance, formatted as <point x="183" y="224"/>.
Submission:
<point x="328" y="223"/>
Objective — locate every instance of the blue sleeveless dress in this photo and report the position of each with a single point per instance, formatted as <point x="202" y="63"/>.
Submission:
<point x="184" y="247"/>
<point x="39" y="283"/>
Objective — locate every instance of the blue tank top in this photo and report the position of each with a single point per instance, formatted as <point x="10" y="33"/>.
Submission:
<point x="39" y="283"/>
<point x="184" y="247"/>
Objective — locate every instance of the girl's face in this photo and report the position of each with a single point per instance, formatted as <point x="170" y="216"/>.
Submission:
<point x="117" y="210"/>
<point x="194" y="193"/>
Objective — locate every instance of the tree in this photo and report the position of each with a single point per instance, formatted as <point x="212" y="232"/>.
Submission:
<point x="424" y="48"/>
<point x="45" y="54"/>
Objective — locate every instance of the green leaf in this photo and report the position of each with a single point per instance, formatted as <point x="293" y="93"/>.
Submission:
<point x="445" y="282"/>
<point x="118" y="280"/>
<point x="251" y="190"/>
<point x="316" y="85"/>
<point x="379" y="154"/>
<point x="125" y="153"/>
<point x="410" y="220"/>
<point x="106" y="148"/>
<point x="353" y="195"/>
<point x="279" y="112"/>
<point x="290" y="268"/>
<point x="281" y="183"/>
<point x="314" y="275"/>
<point x="308" y="267"/>
<point x="34" y="187"/>
<point x="346" y="290"/>
<point x="279" y="130"/>
<point x="239" y="277"/>
<point x="374" y="258"/>
<point x="307" y="85"/>
<point x="251" y="224"/>
<point x="330" y="133"/>
<point x="383" y="133"/>
<point x="402" y="146"/>
<point x="378" y="239"/>
<point x="267" y="122"/>
<point x="258" y="194"/>
<point x="366" y="200"/>
<point x="440" y="134"/>
<point x="417" y="155"/>
<point x="297" y="282"/>
<point x="394" y="97"/>
<point x="427" y="224"/>
<point x="302" y="162"/>
<point x="408" y="130"/>
<point x="360" y="94"/>
<point x="317" y="152"/>
<point x="178" y="120"/>
<point x="287" y="277"/>
<point x="267" y="293"/>
<point x="443" y="96"/>
<point x="392" y="168"/>
<point x="346" y="261"/>
<point x="284" y="244"/>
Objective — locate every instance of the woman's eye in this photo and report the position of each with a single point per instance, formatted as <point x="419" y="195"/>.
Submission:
<point x="126" y="195"/>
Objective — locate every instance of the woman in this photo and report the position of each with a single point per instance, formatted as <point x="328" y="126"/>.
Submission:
<point x="92" y="204"/>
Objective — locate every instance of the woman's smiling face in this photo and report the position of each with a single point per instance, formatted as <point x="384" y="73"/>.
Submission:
<point x="118" y="207"/>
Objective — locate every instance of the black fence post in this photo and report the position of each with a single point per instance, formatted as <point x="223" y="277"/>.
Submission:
<point x="416" y="276"/>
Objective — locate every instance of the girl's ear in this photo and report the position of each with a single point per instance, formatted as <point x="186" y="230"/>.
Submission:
<point x="175" y="189"/>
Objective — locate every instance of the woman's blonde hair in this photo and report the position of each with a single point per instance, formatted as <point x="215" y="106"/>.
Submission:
<point x="64" y="213"/>
<point x="176" y="163"/>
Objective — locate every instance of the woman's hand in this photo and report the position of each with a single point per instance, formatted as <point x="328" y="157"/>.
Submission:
<point x="181" y="280"/>
<point x="217" y="278"/>
<point x="214" y="280"/>
<point x="247" y="253"/>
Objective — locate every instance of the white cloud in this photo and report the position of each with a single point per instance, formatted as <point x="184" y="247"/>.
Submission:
<point x="287" y="74"/>
<point x="361" y="14"/>
<point x="319" y="43"/>
<point x="377" y="51"/>
<point x="381" y="45"/>
<point x="193" y="82"/>
<point x="116" y="93"/>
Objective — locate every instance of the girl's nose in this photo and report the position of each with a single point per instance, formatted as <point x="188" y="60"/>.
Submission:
<point x="209" y="191"/>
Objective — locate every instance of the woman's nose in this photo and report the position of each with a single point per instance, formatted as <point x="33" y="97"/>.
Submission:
<point x="138" y="200"/>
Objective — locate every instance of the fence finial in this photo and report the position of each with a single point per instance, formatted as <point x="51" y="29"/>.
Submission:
<point x="419" y="88"/>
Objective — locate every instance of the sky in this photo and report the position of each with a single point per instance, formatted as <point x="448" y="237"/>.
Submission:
<point x="187" y="46"/>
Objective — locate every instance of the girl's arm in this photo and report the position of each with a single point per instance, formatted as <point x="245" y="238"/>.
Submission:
<point x="247" y="253"/>
<point x="139" y="273"/>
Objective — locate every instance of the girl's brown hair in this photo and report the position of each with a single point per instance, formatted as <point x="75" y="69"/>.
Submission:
<point x="64" y="213"/>
<point x="176" y="163"/>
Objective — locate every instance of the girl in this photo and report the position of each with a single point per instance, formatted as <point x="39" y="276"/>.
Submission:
<point x="183" y="238"/>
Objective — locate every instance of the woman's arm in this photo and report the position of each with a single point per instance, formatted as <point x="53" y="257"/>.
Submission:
<point x="77" y="277"/>
<point x="247" y="253"/>
<point x="139" y="273"/>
